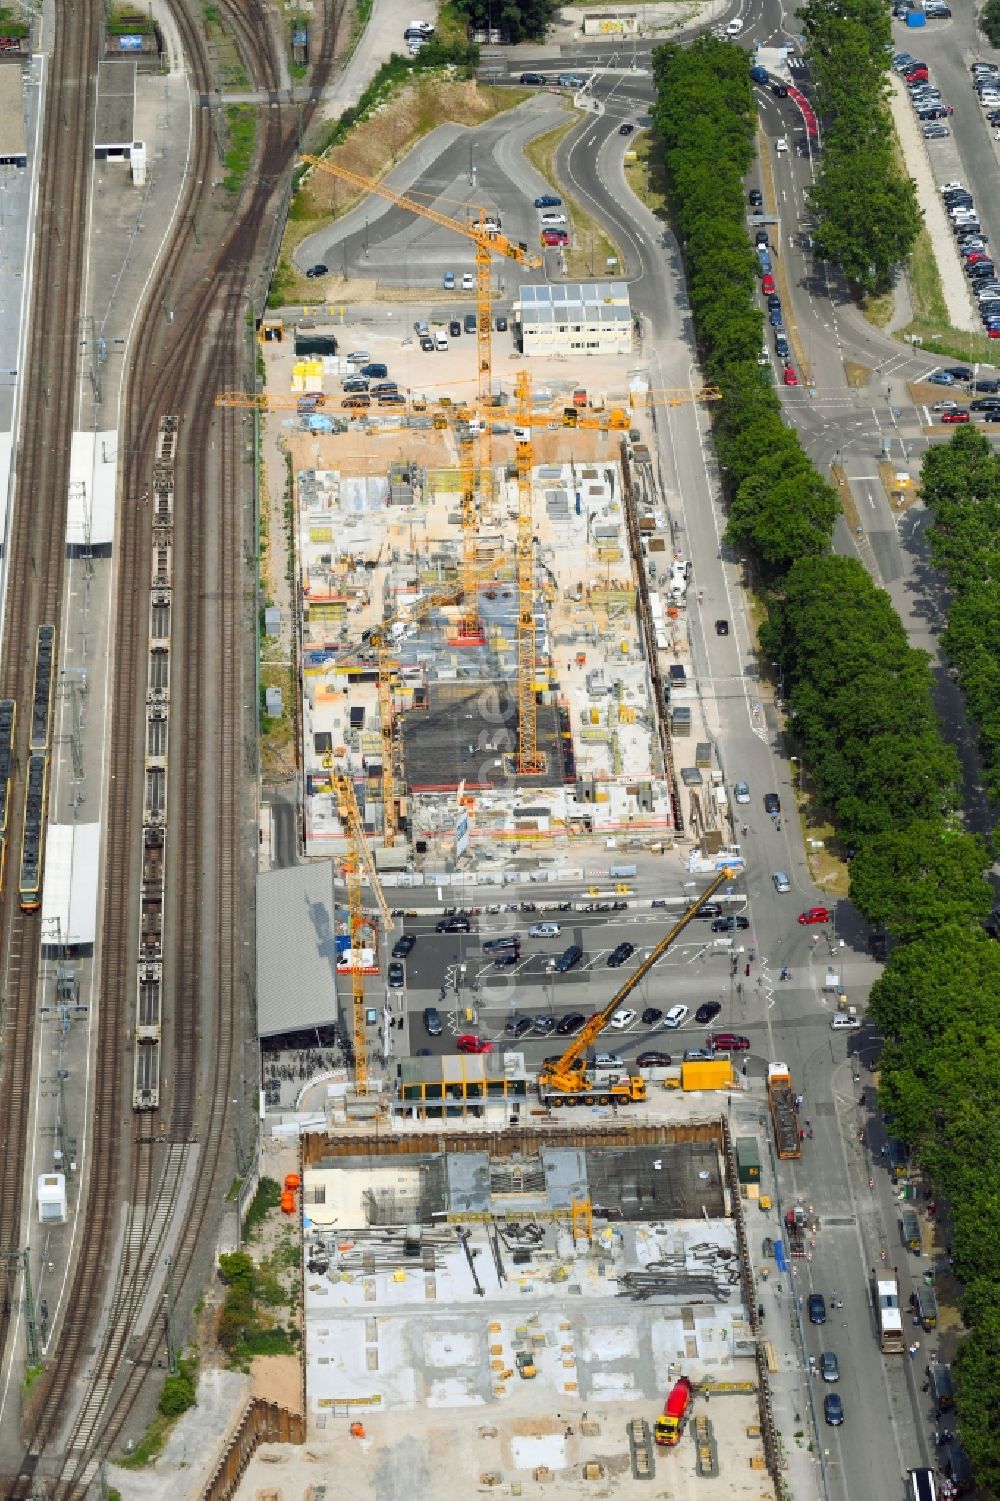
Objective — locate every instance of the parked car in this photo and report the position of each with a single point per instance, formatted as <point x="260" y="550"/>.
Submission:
<point x="470" y="1043"/>
<point x="454" y="329"/>
<point x="542" y="1026"/>
<point x="547" y="200"/>
<point x="814" y="915"/>
<point x="554" y="237"/>
<point x="789" y="376"/>
<point x="507" y="959"/>
<point x="395" y="974"/>
<point x="707" y="1011"/>
<point x="517" y="1026"/>
<point x="427" y="344"/>
<point x="500" y="323"/>
<point x="569" y="958"/>
<point x="318" y="270"/>
<point x="781" y="346"/>
<point x="741" y="792"/>
<point x="960" y="414"/>
<point x="651" y="1016"/>
<point x="432" y="1021"/>
<point x="653" y="1060"/>
<point x="570" y="1024"/>
<point x="767" y="284"/>
<point x="772" y="803"/>
<point x="403" y="946"/>
<point x="449" y="281"/>
<point x="470" y="323"/>
<point x="453" y="925"/>
<point x="755" y="198"/>
<point x="622" y="1018"/>
<point x="676" y="1016"/>
<point x="728" y="1042"/>
<point x="817" y="1308"/>
<point x="833" y="1409"/>
<point x="734" y="922"/>
<point x="620" y="954"/>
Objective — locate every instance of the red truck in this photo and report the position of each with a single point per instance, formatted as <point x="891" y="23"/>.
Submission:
<point x="671" y="1421"/>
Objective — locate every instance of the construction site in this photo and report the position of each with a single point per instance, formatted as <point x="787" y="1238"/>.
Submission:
<point x="519" y="1313"/>
<point x="491" y="601"/>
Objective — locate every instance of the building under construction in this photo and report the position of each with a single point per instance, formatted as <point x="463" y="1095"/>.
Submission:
<point x="555" y="1283"/>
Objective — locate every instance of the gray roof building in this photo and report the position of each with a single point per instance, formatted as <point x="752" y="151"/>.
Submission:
<point x="296" y="949"/>
<point x="114" y="126"/>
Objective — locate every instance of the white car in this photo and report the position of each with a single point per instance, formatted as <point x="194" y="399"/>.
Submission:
<point x="440" y="340"/>
<point x="468" y="281"/>
<point x="741" y="792"/>
<point x="544" y="930"/>
<point x="844" y="1023"/>
<point x="735" y="27"/>
<point x="781" y="145"/>
<point x="623" y="1017"/>
<point x="553" y="218"/>
<point x="676" y="1016"/>
<point x="424" y="26"/>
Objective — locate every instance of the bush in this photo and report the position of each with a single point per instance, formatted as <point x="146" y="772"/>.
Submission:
<point x="989" y="20"/>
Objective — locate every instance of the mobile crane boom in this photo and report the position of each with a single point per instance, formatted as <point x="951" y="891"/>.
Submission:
<point x="564" y="1076"/>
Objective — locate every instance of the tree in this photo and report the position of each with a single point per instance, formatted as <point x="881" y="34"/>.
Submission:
<point x="517" y="20"/>
<point x="915" y="878"/>
<point x="989" y="20"/>
<point x="237" y="1270"/>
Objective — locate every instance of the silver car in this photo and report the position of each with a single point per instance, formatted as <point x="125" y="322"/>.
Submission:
<point x="544" y="930"/>
<point x="781" y="881"/>
<point x="741" y="792"/>
<point x="829" y="1369"/>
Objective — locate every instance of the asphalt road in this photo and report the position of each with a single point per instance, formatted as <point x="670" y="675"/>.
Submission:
<point x="858" y="1221"/>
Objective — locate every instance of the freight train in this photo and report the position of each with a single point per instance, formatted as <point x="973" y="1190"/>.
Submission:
<point x="37" y="783"/>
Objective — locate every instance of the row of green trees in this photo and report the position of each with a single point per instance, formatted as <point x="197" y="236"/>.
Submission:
<point x="866" y="208"/>
<point x="862" y="716"/>
<point x="781" y="508"/>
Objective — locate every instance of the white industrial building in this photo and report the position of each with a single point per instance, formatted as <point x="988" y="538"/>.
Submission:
<point x="582" y="317"/>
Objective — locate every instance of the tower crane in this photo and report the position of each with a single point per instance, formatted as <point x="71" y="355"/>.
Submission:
<point x="566" y="1082"/>
<point x="488" y="243"/>
<point x="359" y="856"/>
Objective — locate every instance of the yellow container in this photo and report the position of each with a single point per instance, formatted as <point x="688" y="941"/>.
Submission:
<point x="709" y="1073"/>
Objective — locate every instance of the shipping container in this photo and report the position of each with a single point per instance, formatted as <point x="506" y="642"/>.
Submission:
<point x="709" y="1073"/>
<point x="747" y="1159"/>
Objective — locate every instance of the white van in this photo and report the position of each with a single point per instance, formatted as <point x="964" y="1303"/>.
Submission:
<point x="440" y="339"/>
<point x="844" y="1023"/>
<point x="735" y="27"/>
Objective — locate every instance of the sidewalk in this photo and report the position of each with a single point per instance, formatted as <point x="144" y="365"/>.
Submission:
<point x="956" y="294"/>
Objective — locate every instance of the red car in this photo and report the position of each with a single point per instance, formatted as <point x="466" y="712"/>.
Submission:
<point x="790" y="378"/>
<point x="993" y="333"/>
<point x="555" y="237"/>
<point x="815" y="914"/>
<point x="728" y="1042"/>
<point x="917" y="74"/>
<point x="767" y="284"/>
<point x="960" y="414"/>
<point x="470" y="1043"/>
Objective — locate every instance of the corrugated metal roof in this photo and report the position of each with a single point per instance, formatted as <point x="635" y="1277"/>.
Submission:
<point x="296" y="949"/>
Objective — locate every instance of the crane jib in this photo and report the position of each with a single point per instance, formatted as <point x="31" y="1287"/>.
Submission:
<point x="564" y="1074"/>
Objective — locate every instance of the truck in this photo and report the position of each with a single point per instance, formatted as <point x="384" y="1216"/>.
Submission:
<point x="888" y="1314"/>
<point x="795" y="1230"/>
<point x="670" y="1423"/>
<point x="784" y="1115"/>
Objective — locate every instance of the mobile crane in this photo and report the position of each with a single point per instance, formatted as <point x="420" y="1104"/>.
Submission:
<point x="566" y="1080"/>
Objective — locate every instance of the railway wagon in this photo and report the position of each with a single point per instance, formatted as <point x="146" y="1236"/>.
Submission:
<point x="42" y="692"/>
<point x="33" y="834"/>
<point x="8" y="724"/>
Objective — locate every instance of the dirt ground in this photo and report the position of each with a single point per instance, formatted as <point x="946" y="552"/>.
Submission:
<point x="278" y="1378"/>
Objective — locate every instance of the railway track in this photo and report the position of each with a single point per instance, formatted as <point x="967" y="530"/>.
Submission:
<point x="204" y="987"/>
<point x="37" y="549"/>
